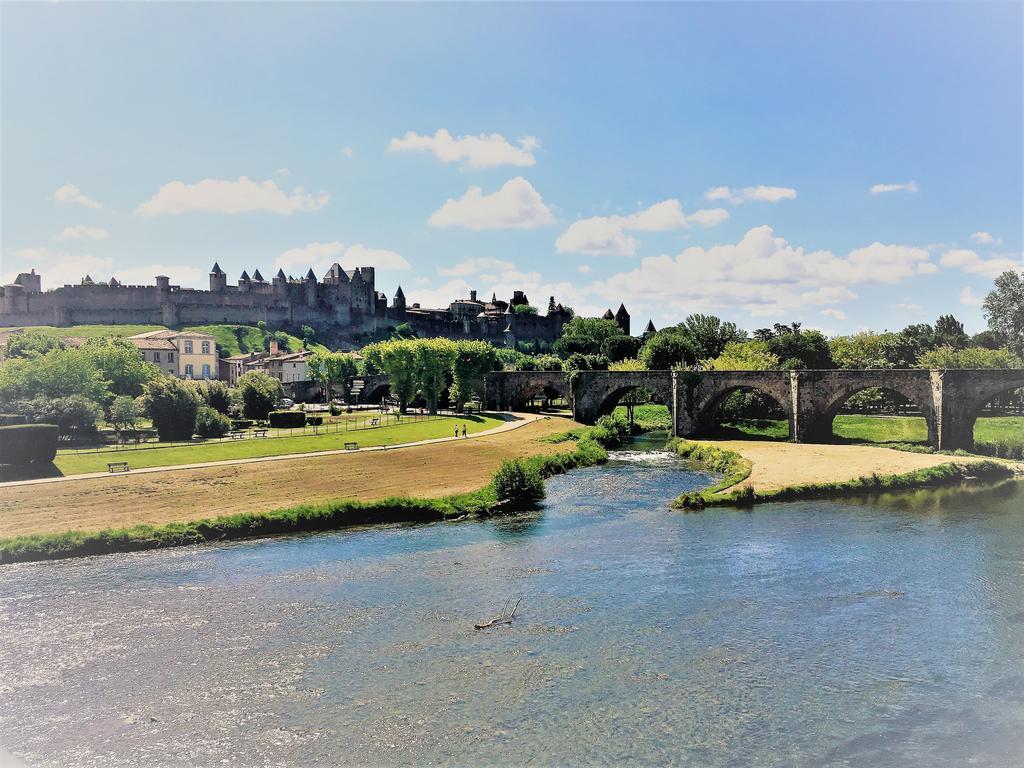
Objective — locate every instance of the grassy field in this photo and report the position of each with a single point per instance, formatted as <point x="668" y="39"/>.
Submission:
<point x="890" y="429"/>
<point x="71" y="463"/>
<point x="90" y="331"/>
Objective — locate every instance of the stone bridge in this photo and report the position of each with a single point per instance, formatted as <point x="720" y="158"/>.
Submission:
<point x="949" y="400"/>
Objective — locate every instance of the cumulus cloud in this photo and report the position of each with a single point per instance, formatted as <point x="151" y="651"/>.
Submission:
<point x="486" y="150"/>
<point x="83" y="232"/>
<point x="347" y="151"/>
<point x="969" y="261"/>
<point x="517" y="205"/>
<point x="986" y="238"/>
<point x="760" y="193"/>
<point x="881" y="189"/>
<point x="69" y="193"/>
<point x="583" y="269"/>
<point x="606" y="235"/>
<point x="762" y="273"/>
<point x="474" y="266"/>
<point x="226" y="196"/>
<point x="835" y="314"/>
<point x="320" y="256"/>
<point x="968" y="299"/>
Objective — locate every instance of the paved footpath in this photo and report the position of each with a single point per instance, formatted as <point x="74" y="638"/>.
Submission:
<point x="520" y="420"/>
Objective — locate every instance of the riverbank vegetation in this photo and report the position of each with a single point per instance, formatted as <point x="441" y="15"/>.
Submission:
<point x="517" y="483"/>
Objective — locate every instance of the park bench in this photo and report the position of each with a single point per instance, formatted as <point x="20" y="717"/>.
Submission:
<point x="374" y="422"/>
<point x="351" y="446"/>
<point x="236" y="435"/>
<point x="118" y="466"/>
<point x="259" y="433"/>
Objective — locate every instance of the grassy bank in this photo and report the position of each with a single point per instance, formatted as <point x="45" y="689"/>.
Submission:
<point x="736" y="469"/>
<point x="72" y="463"/>
<point x="500" y="495"/>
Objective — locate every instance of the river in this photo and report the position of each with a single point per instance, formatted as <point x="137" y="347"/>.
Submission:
<point x="884" y="631"/>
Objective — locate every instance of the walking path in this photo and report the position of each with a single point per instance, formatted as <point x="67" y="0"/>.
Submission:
<point x="518" y="420"/>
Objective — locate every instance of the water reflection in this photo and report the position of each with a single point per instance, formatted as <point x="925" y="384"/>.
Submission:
<point x="871" y="632"/>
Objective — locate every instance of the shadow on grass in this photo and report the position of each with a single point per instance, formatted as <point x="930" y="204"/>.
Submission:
<point x="13" y="472"/>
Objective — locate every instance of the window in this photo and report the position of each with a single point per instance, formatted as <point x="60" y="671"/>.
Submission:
<point x="188" y="370"/>
<point x="170" y="357"/>
<point x="188" y="347"/>
<point x="206" y="368"/>
<point x="206" y="347"/>
<point x="156" y="357"/>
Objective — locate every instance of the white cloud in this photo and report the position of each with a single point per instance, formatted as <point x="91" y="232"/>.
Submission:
<point x="282" y="172"/>
<point x="517" y="205"/>
<point x="482" y="151"/>
<point x="835" y="314"/>
<point x="473" y="266"/>
<point x="760" y="193"/>
<point x="968" y="299"/>
<point x="970" y="262"/>
<point x="69" y="193"/>
<point x="180" y="274"/>
<point x="763" y="274"/>
<point x="347" y="151"/>
<point x="986" y="238"/>
<point x="320" y="256"/>
<point x="62" y="268"/>
<point x="908" y="307"/>
<point x="583" y="269"/>
<point x="606" y="235"/>
<point x="225" y="196"/>
<point x="83" y="232"/>
<point x="879" y="189"/>
<point x="927" y="268"/>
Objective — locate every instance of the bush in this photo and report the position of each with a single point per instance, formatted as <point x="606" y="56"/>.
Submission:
<point x="215" y="394"/>
<point x="314" y="421"/>
<point x="258" y="393"/>
<point x="287" y="419"/>
<point x="172" y="405"/>
<point x="28" y="443"/>
<point x="211" y="423"/>
<point x="75" y="416"/>
<point x="517" y="482"/>
<point x="610" y="431"/>
<point x="241" y="423"/>
<point x="7" y="419"/>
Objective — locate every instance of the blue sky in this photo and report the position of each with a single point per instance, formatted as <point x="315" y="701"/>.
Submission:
<point x="844" y="165"/>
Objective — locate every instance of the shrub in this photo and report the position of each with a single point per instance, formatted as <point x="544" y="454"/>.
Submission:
<point x="7" y="419"/>
<point x="314" y="421"/>
<point x="610" y="431"/>
<point x="258" y="393"/>
<point x="28" y="443"/>
<point x="172" y="404"/>
<point x="241" y="423"/>
<point x="287" y="419"/>
<point x="124" y="413"/>
<point x="211" y="423"/>
<point x="517" y="482"/>
<point x="75" y="416"/>
<point x="215" y="394"/>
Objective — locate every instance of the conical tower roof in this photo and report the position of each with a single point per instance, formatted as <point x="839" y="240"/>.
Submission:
<point x="310" y="275"/>
<point x="216" y="269"/>
<point x="280" y="274"/>
<point x="608" y="315"/>
<point x="650" y="327"/>
<point x="244" y="277"/>
<point x="257" y="276"/>
<point x="399" y="294"/>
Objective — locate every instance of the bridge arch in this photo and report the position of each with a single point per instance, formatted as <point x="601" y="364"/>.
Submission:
<point x="914" y="395"/>
<point x="976" y="389"/>
<point x="596" y="393"/>
<point x="513" y="390"/>
<point x="707" y="414"/>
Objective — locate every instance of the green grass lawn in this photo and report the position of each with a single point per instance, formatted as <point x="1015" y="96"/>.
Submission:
<point x="71" y="463"/>
<point x="888" y="429"/>
<point x="89" y="331"/>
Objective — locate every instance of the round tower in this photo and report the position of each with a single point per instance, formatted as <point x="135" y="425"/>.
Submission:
<point x="218" y="280"/>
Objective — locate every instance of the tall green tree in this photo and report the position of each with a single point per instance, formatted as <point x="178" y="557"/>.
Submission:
<point x="434" y="361"/>
<point x="121" y="363"/>
<point x="30" y="343"/>
<point x="949" y="332"/>
<point x="331" y="369"/>
<point x="744" y="356"/>
<point x="58" y="373"/>
<point x="1004" y="310"/>
<point x="709" y="334"/>
<point x="585" y="335"/>
<point x="172" y="405"/>
<point x="666" y="350"/>
<point x="473" y="361"/>
<point x="397" y="360"/>
<point x="258" y="393"/>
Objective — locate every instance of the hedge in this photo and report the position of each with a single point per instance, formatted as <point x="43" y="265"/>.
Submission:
<point x="28" y="443"/>
<point x="287" y="419"/>
<point x="314" y="421"/>
<point x="7" y="419"/>
<point x="241" y="423"/>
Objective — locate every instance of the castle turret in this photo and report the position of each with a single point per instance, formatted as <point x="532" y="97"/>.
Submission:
<point x="218" y="280"/>
<point x="163" y="283"/>
<point x="650" y="330"/>
<point x="608" y="314"/>
<point x="622" y="318"/>
<point x="280" y="284"/>
<point x="399" y="302"/>
<point x="257" y="277"/>
<point x="244" y="283"/>
<point x="311" y="298"/>
<point x="552" y="309"/>
<point x="29" y="281"/>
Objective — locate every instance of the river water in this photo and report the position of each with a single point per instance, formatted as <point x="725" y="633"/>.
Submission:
<point x="878" y="632"/>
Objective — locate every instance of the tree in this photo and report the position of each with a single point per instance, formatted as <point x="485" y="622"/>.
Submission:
<point x="473" y="361"/>
<point x="971" y="357"/>
<point x="865" y="349"/>
<point x="30" y="343"/>
<point x="744" y="356"/>
<point x="125" y="413"/>
<point x="121" y="363"/>
<point x="1004" y="310"/>
<point x="620" y="347"/>
<point x="585" y="335"/>
<point x="58" y="373"/>
<point x="434" y="361"/>
<point x="284" y="341"/>
<point x="258" y="393"/>
<point x="666" y="350"/>
<point x="210" y="423"/>
<point x="331" y="368"/>
<point x="396" y="359"/>
<point x="74" y="415"/>
<point x="308" y="335"/>
<point x="172" y="405"/>
<point x="214" y="393"/>
<point x="949" y="332"/>
<point x="709" y="334"/>
<point x="801" y="349"/>
<point x="524" y="309"/>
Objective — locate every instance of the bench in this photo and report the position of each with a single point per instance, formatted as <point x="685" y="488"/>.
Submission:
<point x="351" y="446"/>
<point x="118" y="466"/>
<point x="259" y="433"/>
<point x="374" y="422"/>
<point x="236" y="435"/>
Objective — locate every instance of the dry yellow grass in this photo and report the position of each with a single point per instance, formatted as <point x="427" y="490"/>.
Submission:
<point x="189" y="494"/>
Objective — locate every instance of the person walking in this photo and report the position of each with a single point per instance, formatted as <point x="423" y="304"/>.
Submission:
<point x="456" y="431"/>
<point x="463" y="430"/>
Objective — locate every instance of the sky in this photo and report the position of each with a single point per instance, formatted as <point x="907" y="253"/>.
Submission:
<point x="846" y="166"/>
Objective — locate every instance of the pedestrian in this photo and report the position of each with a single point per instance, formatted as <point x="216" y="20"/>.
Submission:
<point x="463" y="430"/>
<point x="456" y="430"/>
